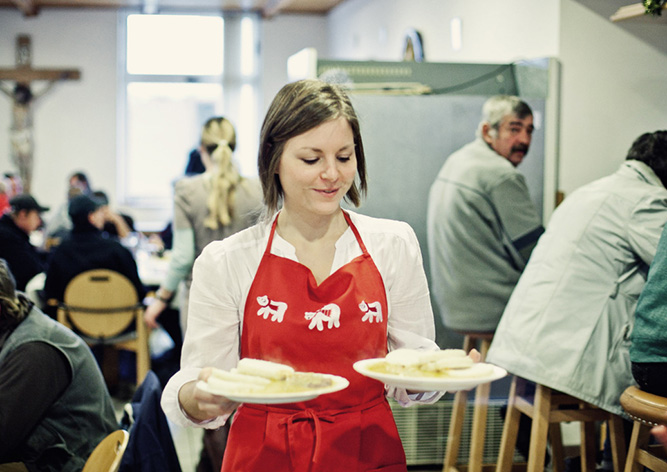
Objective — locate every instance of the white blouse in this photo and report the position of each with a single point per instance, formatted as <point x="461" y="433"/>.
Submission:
<point x="224" y="271"/>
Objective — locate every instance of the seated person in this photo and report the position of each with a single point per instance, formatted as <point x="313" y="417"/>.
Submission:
<point x="660" y="434"/>
<point x="116" y="225"/>
<point x="54" y="406"/>
<point x="568" y="320"/>
<point x="85" y="249"/>
<point x="4" y="199"/>
<point x="648" y="348"/>
<point x="24" y="259"/>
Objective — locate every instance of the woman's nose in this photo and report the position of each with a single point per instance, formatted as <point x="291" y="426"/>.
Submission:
<point x="330" y="171"/>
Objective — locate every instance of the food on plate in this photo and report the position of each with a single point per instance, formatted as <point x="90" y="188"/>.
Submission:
<point x="444" y="363"/>
<point x="262" y="368"/>
<point x="308" y="380"/>
<point x="256" y="376"/>
<point x="222" y="380"/>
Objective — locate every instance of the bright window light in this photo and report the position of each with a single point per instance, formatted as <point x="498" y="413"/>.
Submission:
<point x="164" y="122"/>
<point x="247" y="130"/>
<point x="172" y="44"/>
<point x="175" y="76"/>
<point x="247" y="47"/>
<point x="457" y="38"/>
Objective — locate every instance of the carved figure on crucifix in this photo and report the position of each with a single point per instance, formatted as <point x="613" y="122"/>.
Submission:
<point x="23" y="99"/>
<point x="20" y="132"/>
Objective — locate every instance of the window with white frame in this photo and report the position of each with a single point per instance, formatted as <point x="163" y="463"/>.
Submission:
<point x="176" y="71"/>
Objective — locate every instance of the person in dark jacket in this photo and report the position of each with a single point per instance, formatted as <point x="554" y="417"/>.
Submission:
<point x="54" y="406"/>
<point x="86" y="248"/>
<point x="24" y="260"/>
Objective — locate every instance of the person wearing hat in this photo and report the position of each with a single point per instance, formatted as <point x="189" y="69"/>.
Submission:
<point x="86" y="248"/>
<point x="54" y="406"/>
<point x="23" y="258"/>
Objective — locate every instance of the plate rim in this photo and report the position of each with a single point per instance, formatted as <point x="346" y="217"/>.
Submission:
<point x="427" y="382"/>
<point x="340" y="383"/>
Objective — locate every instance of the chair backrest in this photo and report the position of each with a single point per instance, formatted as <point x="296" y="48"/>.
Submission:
<point x="646" y="410"/>
<point x="100" y="303"/>
<point x="108" y="453"/>
<point x="643" y="406"/>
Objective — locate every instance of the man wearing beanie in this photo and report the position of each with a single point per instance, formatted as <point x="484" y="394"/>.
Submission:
<point x="54" y="406"/>
<point x="86" y="248"/>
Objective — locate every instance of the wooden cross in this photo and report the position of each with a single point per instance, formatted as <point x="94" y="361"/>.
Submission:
<point x="23" y="97"/>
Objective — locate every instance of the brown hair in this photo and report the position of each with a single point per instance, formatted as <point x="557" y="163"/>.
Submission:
<point x="299" y="107"/>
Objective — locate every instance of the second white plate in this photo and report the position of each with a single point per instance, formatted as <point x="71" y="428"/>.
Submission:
<point x="428" y="384"/>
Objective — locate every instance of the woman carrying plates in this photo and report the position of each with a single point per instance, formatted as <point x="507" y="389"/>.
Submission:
<point x="314" y="287"/>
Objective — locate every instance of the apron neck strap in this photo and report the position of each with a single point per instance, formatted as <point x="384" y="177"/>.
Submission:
<point x="347" y="219"/>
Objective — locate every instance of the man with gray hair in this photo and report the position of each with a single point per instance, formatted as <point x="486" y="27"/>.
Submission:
<point x="54" y="405"/>
<point x="482" y="224"/>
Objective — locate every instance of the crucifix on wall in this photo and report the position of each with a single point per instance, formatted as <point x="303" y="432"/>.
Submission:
<point x="16" y="83"/>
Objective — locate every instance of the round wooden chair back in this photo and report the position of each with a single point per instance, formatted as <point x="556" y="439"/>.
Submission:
<point x="108" y="453"/>
<point x="100" y="303"/>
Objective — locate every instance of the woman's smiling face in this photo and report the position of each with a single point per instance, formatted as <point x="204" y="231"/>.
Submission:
<point x="318" y="167"/>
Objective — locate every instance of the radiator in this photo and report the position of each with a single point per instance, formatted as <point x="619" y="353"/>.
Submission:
<point x="423" y="430"/>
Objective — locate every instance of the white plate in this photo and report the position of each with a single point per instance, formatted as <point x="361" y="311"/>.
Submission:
<point x="428" y="384"/>
<point x="339" y="383"/>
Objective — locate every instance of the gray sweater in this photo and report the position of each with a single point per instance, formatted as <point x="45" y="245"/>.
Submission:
<point x="482" y="227"/>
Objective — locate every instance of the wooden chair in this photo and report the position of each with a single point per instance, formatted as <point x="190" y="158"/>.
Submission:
<point x="100" y="305"/>
<point x="478" y="432"/>
<point x="105" y="457"/>
<point x="108" y="453"/>
<point x="548" y="408"/>
<point x="646" y="410"/>
<point x="13" y="467"/>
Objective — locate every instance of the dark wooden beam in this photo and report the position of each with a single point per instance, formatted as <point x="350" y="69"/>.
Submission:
<point x="25" y="75"/>
<point x="28" y="7"/>
<point x="273" y="7"/>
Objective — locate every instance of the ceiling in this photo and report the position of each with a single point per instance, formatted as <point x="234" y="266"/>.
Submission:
<point x="267" y="8"/>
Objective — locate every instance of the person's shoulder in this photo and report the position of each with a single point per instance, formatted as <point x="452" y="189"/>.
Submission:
<point x="251" y="195"/>
<point x="6" y="230"/>
<point x="189" y="184"/>
<point x="189" y="180"/>
<point x="113" y="244"/>
<point x="251" y="186"/>
<point x="476" y="158"/>
<point x="248" y="239"/>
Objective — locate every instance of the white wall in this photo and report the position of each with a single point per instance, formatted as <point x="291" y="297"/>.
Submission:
<point x="492" y="31"/>
<point x="613" y="85"/>
<point x="75" y="121"/>
<point x="283" y="36"/>
<point x="614" y="88"/>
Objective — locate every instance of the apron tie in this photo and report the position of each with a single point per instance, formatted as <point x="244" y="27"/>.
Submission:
<point x="306" y="415"/>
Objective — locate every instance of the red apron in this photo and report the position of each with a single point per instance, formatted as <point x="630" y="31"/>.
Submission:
<point x="290" y="319"/>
